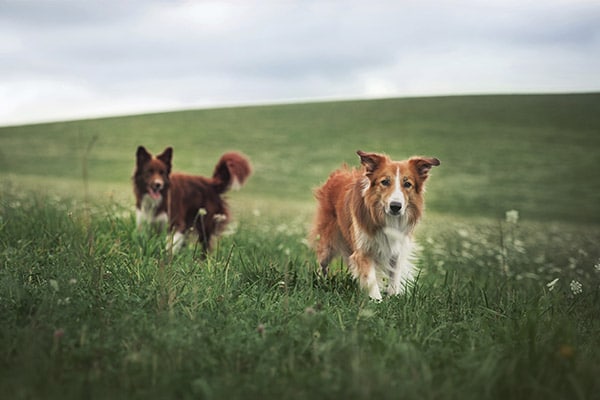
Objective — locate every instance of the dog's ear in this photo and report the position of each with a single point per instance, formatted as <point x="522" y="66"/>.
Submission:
<point x="423" y="165"/>
<point x="371" y="161"/>
<point x="166" y="157"/>
<point x="142" y="155"/>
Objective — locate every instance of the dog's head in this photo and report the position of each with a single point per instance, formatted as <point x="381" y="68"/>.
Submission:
<point x="152" y="173"/>
<point x="395" y="188"/>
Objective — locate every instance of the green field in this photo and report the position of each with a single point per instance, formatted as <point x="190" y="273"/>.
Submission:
<point x="90" y="308"/>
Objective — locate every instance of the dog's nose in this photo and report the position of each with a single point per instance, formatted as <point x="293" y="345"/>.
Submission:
<point x="395" y="207"/>
<point x="157" y="186"/>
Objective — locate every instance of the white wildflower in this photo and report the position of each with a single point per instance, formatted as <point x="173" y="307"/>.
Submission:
<point x="512" y="216"/>
<point x="576" y="287"/>
<point x="519" y="246"/>
<point x="463" y="233"/>
<point x="220" y="218"/>
<point x="366" y="313"/>
<point x="550" y="285"/>
<point x="597" y="266"/>
<point x="53" y="284"/>
<point x="65" y="301"/>
<point x="202" y="211"/>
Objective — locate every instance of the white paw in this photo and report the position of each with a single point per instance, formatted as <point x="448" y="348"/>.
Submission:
<point x="375" y="295"/>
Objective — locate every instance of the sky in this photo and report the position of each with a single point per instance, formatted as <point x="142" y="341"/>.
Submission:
<point x="73" y="59"/>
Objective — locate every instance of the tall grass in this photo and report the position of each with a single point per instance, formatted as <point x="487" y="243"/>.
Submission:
<point x="92" y="308"/>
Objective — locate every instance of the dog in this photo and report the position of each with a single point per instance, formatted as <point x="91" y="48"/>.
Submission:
<point x="368" y="216"/>
<point x="185" y="202"/>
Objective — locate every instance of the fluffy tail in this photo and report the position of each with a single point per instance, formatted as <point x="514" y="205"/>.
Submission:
<point x="231" y="172"/>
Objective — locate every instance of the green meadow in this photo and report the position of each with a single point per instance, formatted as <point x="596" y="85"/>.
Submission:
<point x="506" y="304"/>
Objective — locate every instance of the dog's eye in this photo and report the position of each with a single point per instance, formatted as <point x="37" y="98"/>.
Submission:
<point x="386" y="182"/>
<point x="407" y="185"/>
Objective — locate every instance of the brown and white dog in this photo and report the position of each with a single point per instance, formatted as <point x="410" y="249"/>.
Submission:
<point x="368" y="216"/>
<point x="184" y="201"/>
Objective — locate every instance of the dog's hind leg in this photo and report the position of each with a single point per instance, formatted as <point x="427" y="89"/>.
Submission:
<point x="324" y="256"/>
<point x="323" y="238"/>
<point x="205" y="229"/>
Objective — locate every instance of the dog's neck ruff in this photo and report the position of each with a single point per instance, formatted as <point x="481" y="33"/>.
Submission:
<point x="146" y="214"/>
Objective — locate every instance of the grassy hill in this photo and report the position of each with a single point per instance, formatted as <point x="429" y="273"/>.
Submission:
<point x="536" y="154"/>
<point x="502" y="308"/>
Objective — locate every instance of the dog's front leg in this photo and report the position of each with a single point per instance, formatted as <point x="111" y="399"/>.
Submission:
<point x="401" y="273"/>
<point x="175" y="241"/>
<point x="363" y="269"/>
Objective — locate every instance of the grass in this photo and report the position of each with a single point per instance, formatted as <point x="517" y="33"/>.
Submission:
<point x="536" y="154"/>
<point x="91" y="308"/>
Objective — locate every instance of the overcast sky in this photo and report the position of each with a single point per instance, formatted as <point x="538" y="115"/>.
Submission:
<point x="82" y="58"/>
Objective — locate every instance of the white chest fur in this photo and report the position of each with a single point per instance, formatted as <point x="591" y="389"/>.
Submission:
<point x="146" y="214"/>
<point x="391" y="250"/>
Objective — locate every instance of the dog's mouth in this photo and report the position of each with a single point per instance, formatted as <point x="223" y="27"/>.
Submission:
<point x="155" y="193"/>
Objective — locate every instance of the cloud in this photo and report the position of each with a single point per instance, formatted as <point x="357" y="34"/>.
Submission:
<point x="66" y="59"/>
